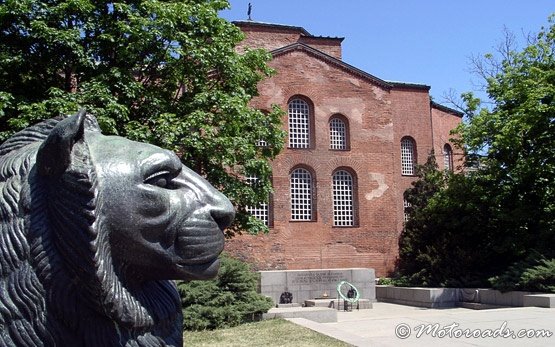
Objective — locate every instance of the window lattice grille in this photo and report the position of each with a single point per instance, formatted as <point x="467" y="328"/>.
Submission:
<point x="299" y="120"/>
<point x="447" y="158"/>
<point x="407" y="157"/>
<point x="301" y="195"/>
<point x="343" y="212"/>
<point x="406" y="206"/>
<point x="338" y="134"/>
<point x="261" y="211"/>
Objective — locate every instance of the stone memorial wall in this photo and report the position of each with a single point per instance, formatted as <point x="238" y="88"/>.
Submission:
<point x="316" y="284"/>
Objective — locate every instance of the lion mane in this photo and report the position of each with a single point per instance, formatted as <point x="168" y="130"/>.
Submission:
<point x="58" y="283"/>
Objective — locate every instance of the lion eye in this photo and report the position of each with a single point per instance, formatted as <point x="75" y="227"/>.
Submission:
<point x="160" y="179"/>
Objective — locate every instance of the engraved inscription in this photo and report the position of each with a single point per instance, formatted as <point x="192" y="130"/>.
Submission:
<point x="315" y="277"/>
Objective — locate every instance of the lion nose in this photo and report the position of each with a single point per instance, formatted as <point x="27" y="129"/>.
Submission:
<point x="222" y="210"/>
<point x="217" y="204"/>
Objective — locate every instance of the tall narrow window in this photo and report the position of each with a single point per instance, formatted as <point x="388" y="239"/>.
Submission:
<point x="408" y="156"/>
<point x="301" y="195"/>
<point x="406" y="206"/>
<point x="261" y="211"/>
<point x="299" y="124"/>
<point x="338" y="134"/>
<point x="343" y="211"/>
<point x="447" y="158"/>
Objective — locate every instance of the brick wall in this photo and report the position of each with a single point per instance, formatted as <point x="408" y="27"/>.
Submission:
<point x="378" y="116"/>
<point x="330" y="46"/>
<point x="443" y="122"/>
<point x="271" y="36"/>
<point x="257" y="37"/>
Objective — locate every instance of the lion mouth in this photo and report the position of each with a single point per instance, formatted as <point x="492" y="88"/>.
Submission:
<point x="199" y="241"/>
<point x="202" y="271"/>
<point x="198" y="246"/>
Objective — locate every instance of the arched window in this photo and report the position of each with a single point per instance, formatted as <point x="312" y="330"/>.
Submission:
<point x="408" y="156"/>
<point x="301" y="195"/>
<point x="299" y="124"/>
<point x="261" y="211"/>
<point x="343" y="199"/>
<point x="447" y="157"/>
<point x="338" y="134"/>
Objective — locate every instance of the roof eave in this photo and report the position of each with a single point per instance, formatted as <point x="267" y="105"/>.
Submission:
<point x="408" y="85"/>
<point x="271" y="25"/>
<point x="446" y="109"/>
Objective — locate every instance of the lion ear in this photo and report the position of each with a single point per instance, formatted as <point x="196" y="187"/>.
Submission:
<point x="54" y="155"/>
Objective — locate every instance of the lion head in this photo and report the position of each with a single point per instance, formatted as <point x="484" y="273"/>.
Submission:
<point x="93" y="229"/>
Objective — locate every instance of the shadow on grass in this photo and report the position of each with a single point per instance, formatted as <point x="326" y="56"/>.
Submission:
<point x="268" y="333"/>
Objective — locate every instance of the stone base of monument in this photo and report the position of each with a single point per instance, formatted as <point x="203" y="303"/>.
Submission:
<point x="338" y="304"/>
<point x="317" y="283"/>
<point x="475" y="298"/>
<point x="539" y="300"/>
<point x="316" y="314"/>
<point x="419" y="297"/>
<point x="294" y="304"/>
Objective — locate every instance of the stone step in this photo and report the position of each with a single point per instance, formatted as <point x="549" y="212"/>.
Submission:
<point x="316" y="314"/>
<point x="478" y="306"/>
<point x="338" y="304"/>
<point x="293" y="304"/>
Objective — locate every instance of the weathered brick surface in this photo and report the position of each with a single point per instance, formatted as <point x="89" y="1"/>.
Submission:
<point x="270" y="37"/>
<point x="443" y="123"/>
<point x="378" y="115"/>
<point x="330" y="46"/>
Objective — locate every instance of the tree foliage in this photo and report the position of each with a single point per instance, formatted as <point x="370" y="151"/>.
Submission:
<point x="164" y="72"/>
<point x="534" y="273"/>
<point x="498" y="222"/>
<point x="517" y="137"/>
<point x="229" y="300"/>
<point x="452" y="236"/>
<point x="413" y="261"/>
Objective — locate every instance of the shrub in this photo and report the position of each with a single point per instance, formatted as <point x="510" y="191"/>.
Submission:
<point x="229" y="300"/>
<point x="385" y="281"/>
<point x="535" y="273"/>
<point x="397" y="281"/>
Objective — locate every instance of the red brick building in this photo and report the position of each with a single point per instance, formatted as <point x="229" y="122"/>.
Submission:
<point x="353" y="142"/>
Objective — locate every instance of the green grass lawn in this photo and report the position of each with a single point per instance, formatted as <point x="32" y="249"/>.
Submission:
<point x="268" y="333"/>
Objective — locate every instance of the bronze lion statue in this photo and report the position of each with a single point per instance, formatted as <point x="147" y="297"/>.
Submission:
<point x="93" y="230"/>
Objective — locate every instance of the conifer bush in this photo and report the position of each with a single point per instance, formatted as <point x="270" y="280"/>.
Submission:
<point x="535" y="273"/>
<point x="229" y="300"/>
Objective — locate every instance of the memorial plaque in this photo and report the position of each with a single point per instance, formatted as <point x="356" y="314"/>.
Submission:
<point x="312" y="284"/>
<point x="315" y="277"/>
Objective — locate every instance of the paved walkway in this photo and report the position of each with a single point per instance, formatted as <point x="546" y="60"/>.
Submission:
<point x="379" y="326"/>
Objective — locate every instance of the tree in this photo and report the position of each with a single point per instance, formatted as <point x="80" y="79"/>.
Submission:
<point x="413" y="262"/>
<point x="496" y="224"/>
<point x="451" y="237"/>
<point x="517" y="138"/>
<point x="163" y="72"/>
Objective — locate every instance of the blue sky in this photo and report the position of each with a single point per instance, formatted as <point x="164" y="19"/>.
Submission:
<point x="426" y="41"/>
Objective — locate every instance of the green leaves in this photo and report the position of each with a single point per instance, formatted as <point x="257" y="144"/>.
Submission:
<point x="473" y="226"/>
<point x="535" y="273"/>
<point x="453" y="236"/>
<point x="229" y="300"/>
<point x="165" y="72"/>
